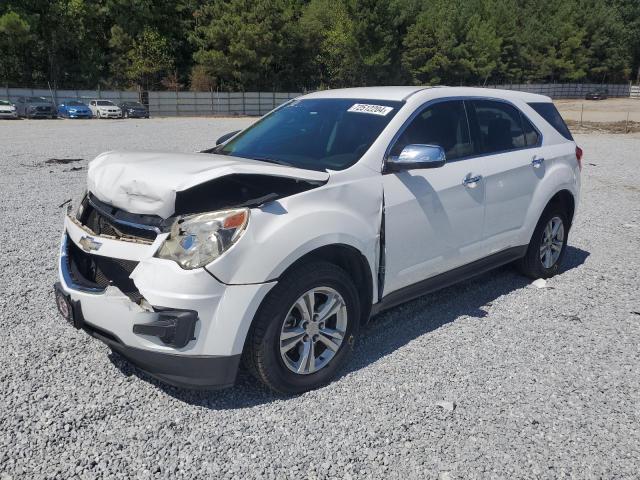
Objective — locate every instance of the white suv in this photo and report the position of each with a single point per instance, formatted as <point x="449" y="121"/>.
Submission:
<point x="276" y="245"/>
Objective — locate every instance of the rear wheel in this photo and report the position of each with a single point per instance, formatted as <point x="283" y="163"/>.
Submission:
<point x="305" y="329"/>
<point x="548" y="244"/>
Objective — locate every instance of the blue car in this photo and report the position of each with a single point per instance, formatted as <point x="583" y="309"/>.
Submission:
<point x="74" y="109"/>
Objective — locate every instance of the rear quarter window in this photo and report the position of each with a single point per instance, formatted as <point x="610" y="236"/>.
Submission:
<point x="550" y="113"/>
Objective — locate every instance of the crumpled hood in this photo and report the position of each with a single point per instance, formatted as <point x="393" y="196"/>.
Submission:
<point x="147" y="182"/>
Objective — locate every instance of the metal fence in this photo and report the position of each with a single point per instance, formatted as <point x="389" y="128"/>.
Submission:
<point x="568" y="90"/>
<point x="215" y="103"/>
<point x="167" y="104"/>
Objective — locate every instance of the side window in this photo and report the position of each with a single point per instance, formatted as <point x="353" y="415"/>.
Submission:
<point x="531" y="135"/>
<point x="498" y="126"/>
<point x="443" y="124"/>
<point x="550" y="113"/>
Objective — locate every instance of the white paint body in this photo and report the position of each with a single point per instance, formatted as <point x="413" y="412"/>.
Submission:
<point x="433" y="223"/>
<point x="104" y="111"/>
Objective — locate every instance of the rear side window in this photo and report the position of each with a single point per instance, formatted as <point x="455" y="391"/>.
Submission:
<point x="550" y="113"/>
<point x="498" y="126"/>
<point x="443" y="124"/>
<point x="531" y="135"/>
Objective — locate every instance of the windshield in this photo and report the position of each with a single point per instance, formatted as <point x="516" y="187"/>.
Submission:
<point x="37" y="99"/>
<point x="134" y="104"/>
<point x="73" y="103"/>
<point x="4" y="102"/>
<point x="105" y="103"/>
<point x="315" y="134"/>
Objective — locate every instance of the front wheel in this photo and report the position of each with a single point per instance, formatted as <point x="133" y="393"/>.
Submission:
<point x="547" y="246"/>
<point x="305" y="329"/>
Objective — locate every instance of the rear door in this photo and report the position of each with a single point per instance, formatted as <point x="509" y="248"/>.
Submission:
<point x="434" y="217"/>
<point x="514" y="165"/>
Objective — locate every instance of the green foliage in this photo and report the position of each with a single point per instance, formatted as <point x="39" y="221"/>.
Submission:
<point x="309" y="44"/>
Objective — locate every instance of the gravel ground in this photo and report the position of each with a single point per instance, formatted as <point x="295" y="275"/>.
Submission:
<point x="490" y="378"/>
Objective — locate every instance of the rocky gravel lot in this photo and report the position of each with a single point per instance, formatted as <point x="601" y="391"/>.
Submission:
<point x="491" y="378"/>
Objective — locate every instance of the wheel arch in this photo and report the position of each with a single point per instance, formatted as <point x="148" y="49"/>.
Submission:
<point x="353" y="262"/>
<point x="565" y="199"/>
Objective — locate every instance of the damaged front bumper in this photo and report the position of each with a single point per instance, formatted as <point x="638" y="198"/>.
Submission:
<point x="182" y="326"/>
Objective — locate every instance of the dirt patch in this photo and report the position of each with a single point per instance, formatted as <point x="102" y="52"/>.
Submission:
<point x="603" y="127"/>
<point x="62" y="161"/>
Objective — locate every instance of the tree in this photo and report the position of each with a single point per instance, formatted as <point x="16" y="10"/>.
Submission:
<point x="15" y="36"/>
<point x="148" y="58"/>
<point x="249" y="44"/>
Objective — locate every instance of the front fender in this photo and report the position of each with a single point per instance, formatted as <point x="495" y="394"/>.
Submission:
<point x="283" y="231"/>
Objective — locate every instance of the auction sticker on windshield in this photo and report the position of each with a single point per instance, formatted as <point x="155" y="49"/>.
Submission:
<point x="373" y="109"/>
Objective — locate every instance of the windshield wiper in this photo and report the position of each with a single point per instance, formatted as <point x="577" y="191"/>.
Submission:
<point x="269" y="160"/>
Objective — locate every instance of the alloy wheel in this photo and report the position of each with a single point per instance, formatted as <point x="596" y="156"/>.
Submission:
<point x="313" y="330"/>
<point x="552" y="242"/>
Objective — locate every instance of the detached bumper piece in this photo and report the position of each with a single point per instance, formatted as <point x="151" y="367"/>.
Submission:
<point x="173" y="327"/>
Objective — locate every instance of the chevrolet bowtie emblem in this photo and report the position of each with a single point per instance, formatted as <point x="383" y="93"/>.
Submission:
<point x="88" y="244"/>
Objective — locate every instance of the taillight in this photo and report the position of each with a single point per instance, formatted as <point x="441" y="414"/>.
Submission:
<point x="579" y="156"/>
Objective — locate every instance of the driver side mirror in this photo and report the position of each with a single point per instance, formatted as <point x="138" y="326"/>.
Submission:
<point x="417" y="156"/>
<point x="226" y="137"/>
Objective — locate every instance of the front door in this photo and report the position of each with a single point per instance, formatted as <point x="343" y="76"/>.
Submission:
<point x="434" y="217"/>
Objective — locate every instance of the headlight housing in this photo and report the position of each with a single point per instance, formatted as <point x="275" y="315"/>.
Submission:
<point x="197" y="240"/>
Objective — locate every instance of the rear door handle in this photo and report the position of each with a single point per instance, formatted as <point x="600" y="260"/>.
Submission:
<point x="537" y="162"/>
<point x="471" y="182"/>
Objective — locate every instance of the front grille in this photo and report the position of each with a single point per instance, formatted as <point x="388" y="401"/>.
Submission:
<point x="43" y="109"/>
<point x="103" y="224"/>
<point x="95" y="271"/>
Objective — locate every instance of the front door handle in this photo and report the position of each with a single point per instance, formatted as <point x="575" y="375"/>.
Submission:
<point x="537" y="162"/>
<point x="471" y="182"/>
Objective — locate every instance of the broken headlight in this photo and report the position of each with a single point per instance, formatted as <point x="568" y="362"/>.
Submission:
<point x="197" y="240"/>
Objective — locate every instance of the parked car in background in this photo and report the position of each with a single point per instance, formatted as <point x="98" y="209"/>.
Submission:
<point x="133" y="110"/>
<point x="7" y="109"/>
<point x="105" y="109"/>
<point x="35" y="107"/>
<point x="597" y="94"/>
<point x="74" y="109"/>
<point x="276" y="245"/>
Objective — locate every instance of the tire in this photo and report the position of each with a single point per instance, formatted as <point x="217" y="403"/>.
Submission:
<point x="280" y="315"/>
<point x="98" y="115"/>
<point x="532" y="264"/>
<point x="125" y="115"/>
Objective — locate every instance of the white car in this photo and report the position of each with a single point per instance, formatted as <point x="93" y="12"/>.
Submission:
<point x="7" y="109"/>
<point x="279" y="243"/>
<point x="104" y="109"/>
